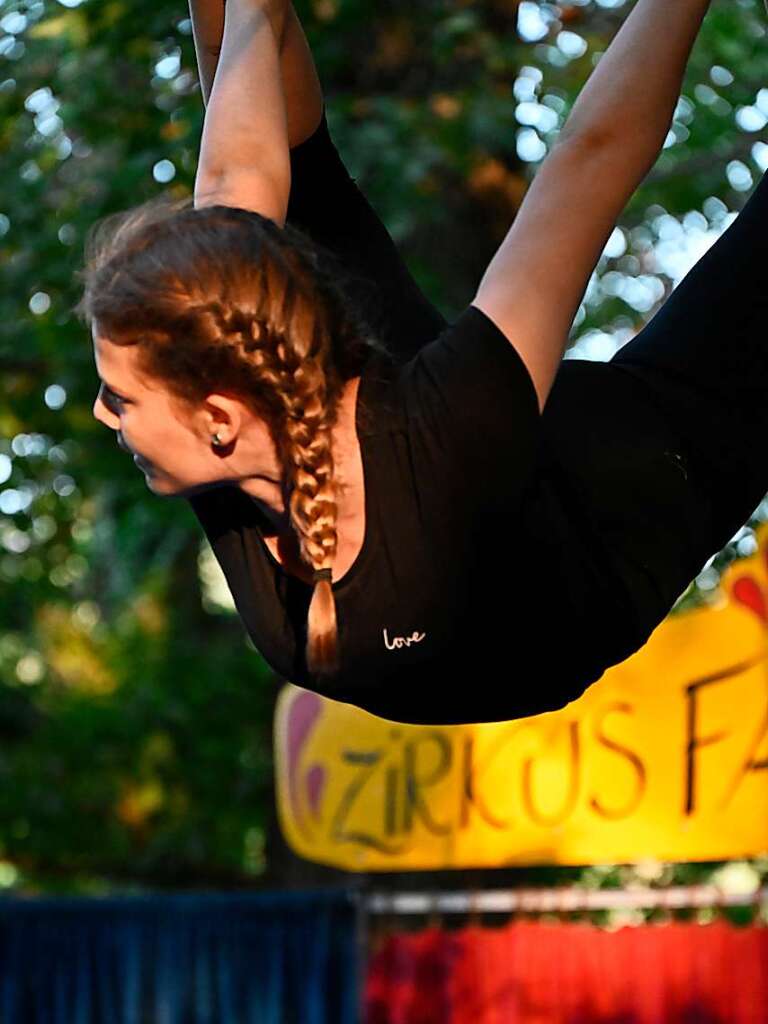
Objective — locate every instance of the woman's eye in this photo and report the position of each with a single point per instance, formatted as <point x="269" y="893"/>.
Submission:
<point x="112" y="401"/>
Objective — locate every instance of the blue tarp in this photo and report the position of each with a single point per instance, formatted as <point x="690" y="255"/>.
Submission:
<point x="205" y="958"/>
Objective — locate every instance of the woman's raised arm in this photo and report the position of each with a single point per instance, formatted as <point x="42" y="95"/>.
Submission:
<point x="245" y="133"/>
<point x="301" y="84"/>
<point x="534" y="284"/>
<point x="207" y="17"/>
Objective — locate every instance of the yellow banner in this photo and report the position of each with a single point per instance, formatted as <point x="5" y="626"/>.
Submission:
<point x="665" y="757"/>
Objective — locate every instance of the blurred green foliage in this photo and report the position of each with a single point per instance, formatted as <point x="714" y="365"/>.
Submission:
<point x="135" y="716"/>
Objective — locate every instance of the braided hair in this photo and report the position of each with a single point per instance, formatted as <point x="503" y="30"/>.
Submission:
<point x="222" y="298"/>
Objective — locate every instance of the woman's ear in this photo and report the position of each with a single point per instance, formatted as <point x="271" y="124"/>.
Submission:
<point x="219" y="414"/>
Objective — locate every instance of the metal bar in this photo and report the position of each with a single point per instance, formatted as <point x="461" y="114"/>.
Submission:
<point x="558" y="900"/>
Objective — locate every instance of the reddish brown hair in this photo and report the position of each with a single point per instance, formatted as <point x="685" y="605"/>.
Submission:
<point x="221" y="298"/>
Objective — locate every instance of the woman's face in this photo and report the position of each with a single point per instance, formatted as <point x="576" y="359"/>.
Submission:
<point x="172" y="446"/>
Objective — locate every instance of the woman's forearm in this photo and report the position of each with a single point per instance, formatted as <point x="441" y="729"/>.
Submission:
<point x="207" y="18"/>
<point x="631" y="95"/>
<point x="245" y="123"/>
<point x="207" y="31"/>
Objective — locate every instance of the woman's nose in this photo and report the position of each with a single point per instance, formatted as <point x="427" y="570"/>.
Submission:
<point x="103" y="415"/>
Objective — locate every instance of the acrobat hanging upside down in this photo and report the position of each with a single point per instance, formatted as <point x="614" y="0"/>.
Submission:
<point x="440" y="522"/>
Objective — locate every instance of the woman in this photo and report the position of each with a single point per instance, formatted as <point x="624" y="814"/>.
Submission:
<point x="437" y="522"/>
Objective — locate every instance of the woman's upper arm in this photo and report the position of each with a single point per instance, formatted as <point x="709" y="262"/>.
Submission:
<point x="252" y="189"/>
<point x="534" y="284"/>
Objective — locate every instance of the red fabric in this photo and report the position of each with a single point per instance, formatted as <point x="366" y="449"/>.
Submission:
<point x="541" y="973"/>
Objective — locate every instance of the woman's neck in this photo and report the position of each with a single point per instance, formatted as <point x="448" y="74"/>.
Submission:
<point x="267" y="492"/>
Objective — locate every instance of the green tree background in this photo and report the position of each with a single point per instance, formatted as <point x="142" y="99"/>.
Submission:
<point x="135" y="714"/>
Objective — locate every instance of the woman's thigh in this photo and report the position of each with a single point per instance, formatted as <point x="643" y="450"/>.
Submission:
<point x="704" y="360"/>
<point x="704" y="355"/>
<point x="619" y="467"/>
<point x="326" y="203"/>
<point x="665" y="444"/>
<point x="659" y="451"/>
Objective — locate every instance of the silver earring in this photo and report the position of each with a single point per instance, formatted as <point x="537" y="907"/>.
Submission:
<point x="216" y="441"/>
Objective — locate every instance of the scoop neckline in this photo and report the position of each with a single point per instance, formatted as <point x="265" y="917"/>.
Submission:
<point x="354" y="570"/>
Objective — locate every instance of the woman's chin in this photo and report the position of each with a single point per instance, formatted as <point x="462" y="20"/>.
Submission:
<point x="161" y="485"/>
<point x="148" y="470"/>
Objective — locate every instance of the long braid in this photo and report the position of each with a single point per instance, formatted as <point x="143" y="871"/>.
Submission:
<point x="285" y="346"/>
<point x="311" y="409"/>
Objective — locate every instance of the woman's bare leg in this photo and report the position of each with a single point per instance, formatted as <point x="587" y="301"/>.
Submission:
<point x="301" y="84"/>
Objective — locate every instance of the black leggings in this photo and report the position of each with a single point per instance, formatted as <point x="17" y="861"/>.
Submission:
<point x="689" y="391"/>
